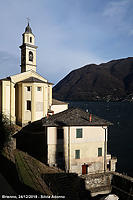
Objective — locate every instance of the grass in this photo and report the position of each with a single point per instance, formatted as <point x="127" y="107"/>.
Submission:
<point x="25" y="175"/>
<point x="29" y="171"/>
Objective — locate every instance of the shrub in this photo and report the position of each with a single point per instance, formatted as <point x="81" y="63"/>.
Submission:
<point x="6" y="131"/>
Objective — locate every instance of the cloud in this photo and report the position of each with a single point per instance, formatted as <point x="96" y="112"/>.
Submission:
<point x="117" y="15"/>
<point x="116" y="9"/>
<point x="131" y="32"/>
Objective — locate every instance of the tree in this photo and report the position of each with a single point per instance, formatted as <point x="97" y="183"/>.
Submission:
<point x="6" y="131"/>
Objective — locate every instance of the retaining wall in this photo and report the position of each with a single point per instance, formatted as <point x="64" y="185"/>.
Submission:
<point x="110" y="182"/>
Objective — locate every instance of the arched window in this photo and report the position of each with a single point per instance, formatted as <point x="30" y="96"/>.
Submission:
<point x="30" y="56"/>
<point x="30" y="39"/>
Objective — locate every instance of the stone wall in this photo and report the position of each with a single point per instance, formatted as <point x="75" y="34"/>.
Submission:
<point x="122" y="186"/>
<point x="110" y="182"/>
<point x="98" y="183"/>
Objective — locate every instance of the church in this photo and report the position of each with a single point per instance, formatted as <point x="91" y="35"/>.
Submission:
<point x="27" y="96"/>
<point x="72" y="138"/>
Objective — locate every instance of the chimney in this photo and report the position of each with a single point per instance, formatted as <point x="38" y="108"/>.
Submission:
<point x="90" y="117"/>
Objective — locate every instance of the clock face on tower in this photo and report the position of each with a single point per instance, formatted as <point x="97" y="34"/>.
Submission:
<point x="30" y="56"/>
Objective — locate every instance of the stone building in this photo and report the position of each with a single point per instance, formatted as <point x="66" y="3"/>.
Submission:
<point x="77" y="142"/>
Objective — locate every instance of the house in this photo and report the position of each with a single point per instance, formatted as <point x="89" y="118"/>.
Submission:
<point x="71" y="138"/>
<point x="58" y="106"/>
<point x="77" y="141"/>
<point x="27" y="96"/>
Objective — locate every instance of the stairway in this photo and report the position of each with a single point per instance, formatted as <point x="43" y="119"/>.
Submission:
<point x="63" y="181"/>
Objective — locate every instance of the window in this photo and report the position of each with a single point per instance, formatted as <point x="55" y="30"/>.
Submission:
<point x="30" y="39"/>
<point x="99" y="151"/>
<point x="30" y="56"/>
<point x="28" y="88"/>
<point x="39" y="89"/>
<point x="77" y="154"/>
<point x="60" y="133"/>
<point x="29" y="105"/>
<point x="79" y="133"/>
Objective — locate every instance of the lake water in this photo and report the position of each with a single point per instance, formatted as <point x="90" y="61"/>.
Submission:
<point x="120" y="135"/>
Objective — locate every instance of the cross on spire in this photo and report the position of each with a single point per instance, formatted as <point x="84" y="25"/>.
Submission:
<point x="28" y="20"/>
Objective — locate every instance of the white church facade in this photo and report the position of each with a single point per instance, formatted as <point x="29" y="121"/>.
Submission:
<point x="27" y="96"/>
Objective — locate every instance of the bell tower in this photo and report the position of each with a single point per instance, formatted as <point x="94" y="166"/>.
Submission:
<point x="28" y="50"/>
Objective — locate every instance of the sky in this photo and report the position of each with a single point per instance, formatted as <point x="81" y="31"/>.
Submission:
<point x="69" y="34"/>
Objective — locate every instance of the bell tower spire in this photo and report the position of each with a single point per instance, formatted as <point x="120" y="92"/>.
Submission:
<point x="28" y="50"/>
<point x="28" y="20"/>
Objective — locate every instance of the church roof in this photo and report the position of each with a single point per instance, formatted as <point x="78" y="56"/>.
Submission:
<point x="32" y="80"/>
<point x="57" y="102"/>
<point x="74" y="117"/>
<point x="5" y="79"/>
<point x="28" y="29"/>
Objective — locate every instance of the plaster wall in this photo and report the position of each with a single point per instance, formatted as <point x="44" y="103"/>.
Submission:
<point x="27" y="97"/>
<point x="46" y="99"/>
<point x="57" y="145"/>
<point x="19" y="104"/>
<point x="50" y="94"/>
<point x="88" y="152"/>
<point x="52" y="135"/>
<point x="59" y="108"/>
<point x="8" y="101"/>
<point x="21" y="76"/>
<point x="5" y="99"/>
<point x="12" y="102"/>
<point x="39" y="102"/>
<point x="53" y="151"/>
<point x="26" y="38"/>
<point x="93" y="138"/>
<point x="89" y="134"/>
<point x="30" y="64"/>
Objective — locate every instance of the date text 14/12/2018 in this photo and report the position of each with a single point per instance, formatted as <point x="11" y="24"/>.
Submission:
<point x="41" y="197"/>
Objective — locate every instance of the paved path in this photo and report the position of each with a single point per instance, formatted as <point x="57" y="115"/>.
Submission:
<point x="5" y="188"/>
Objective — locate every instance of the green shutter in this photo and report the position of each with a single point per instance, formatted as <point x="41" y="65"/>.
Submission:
<point x="77" y="154"/>
<point x="99" y="151"/>
<point x="79" y="133"/>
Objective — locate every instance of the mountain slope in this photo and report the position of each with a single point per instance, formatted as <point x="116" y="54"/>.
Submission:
<point x="111" y="80"/>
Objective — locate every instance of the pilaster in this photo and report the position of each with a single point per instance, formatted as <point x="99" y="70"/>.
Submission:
<point x="44" y="103"/>
<point x="33" y="103"/>
<point x="12" y="102"/>
<point x="23" y="104"/>
<point x="3" y="97"/>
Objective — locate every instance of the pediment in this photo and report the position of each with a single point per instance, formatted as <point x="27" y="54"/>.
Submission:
<point x="26" y="75"/>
